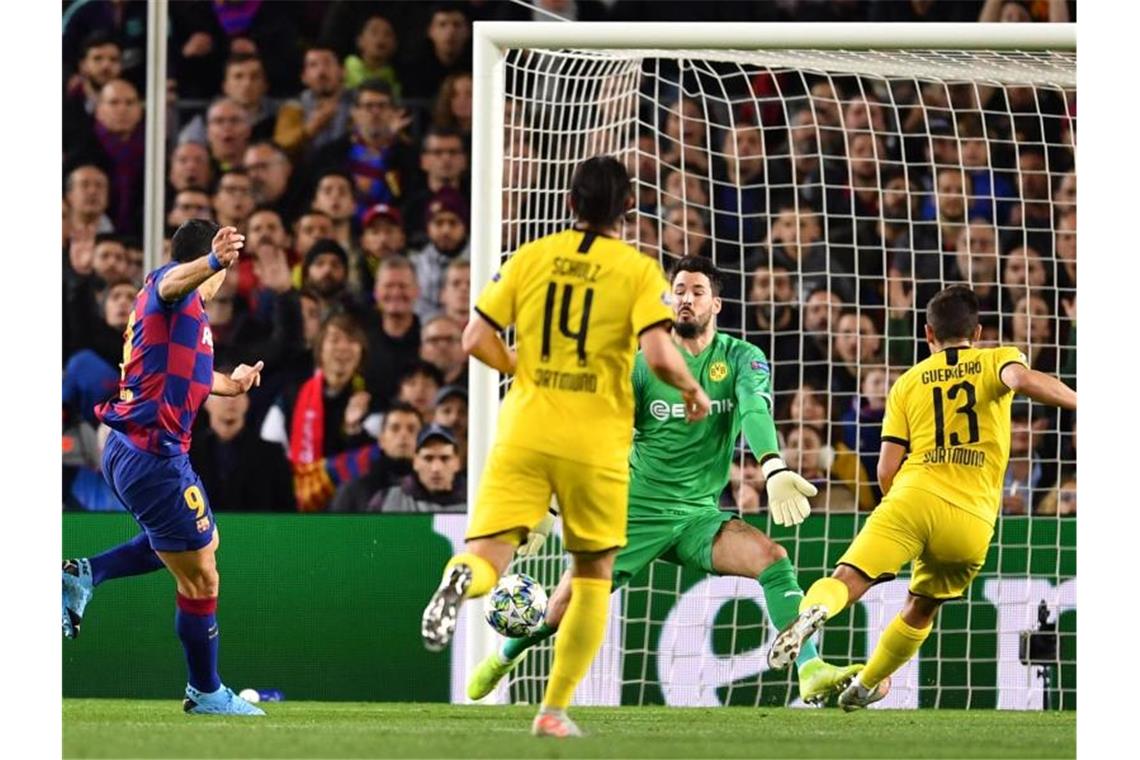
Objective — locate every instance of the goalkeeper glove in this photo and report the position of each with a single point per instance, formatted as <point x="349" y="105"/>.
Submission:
<point x="537" y="536"/>
<point x="787" y="492"/>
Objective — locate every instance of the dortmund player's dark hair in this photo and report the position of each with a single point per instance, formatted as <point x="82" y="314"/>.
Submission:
<point x="700" y="265"/>
<point x="192" y="240"/>
<point x="599" y="191"/>
<point x="953" y="314"/>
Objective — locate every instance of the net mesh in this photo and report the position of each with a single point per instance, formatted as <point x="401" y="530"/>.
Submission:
<point x="837" y="191"/>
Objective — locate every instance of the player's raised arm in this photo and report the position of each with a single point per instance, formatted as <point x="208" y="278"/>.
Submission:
<point x="197" y="266"/>
<point x="1038" y="386"/>
<point x="664" y="360"/>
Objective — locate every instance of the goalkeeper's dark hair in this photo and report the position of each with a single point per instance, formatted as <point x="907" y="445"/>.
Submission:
<point x="192" y="240"/>
<point x="953" y="314"/>
<point x="599" y="191"/>
<point x="700" y="265"/>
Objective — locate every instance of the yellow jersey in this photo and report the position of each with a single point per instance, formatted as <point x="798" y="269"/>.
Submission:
<point x="952" y="412"/>
<point x="578" y="301"/>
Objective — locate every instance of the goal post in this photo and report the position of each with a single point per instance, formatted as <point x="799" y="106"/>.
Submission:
<point x="550" y="94"/>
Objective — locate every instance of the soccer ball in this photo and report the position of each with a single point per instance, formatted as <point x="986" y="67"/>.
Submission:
<point x="518" y="606"/>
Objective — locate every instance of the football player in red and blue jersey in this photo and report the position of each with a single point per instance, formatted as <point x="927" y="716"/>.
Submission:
<point x="167" y="373"/>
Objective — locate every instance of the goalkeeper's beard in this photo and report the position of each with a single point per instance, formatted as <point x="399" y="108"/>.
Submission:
<point x="692" y="329"/>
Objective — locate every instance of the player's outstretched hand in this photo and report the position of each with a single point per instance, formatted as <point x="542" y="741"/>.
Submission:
<point x="246" y="376"/>
<point x="227" y="245"/>
<point x="697" y="404"/>
<point x="788" y="493"/>
<point x="537" y="537"/>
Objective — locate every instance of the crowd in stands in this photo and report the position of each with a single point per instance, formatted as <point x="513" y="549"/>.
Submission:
<point x="336" y="136"/>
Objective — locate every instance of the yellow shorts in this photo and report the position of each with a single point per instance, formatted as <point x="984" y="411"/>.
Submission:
<point x="515" y="490"/>
<point x="948" y="544"/>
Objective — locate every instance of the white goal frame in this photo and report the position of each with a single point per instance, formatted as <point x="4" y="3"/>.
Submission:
<point x="491" y="40"/>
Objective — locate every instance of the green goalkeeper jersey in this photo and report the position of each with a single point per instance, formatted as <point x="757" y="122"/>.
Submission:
<point x="674" y="464"/>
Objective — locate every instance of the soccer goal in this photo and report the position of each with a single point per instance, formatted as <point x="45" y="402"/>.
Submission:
<point x="838" y="175"/>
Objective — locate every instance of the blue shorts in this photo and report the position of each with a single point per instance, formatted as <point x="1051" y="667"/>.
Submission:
<point x="164" y="494"/>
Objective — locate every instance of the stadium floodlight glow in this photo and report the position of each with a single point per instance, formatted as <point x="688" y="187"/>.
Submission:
<point x="549" y="94"/>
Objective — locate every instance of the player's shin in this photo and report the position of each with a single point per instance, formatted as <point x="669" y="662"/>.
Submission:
<point x="135" y="557"/>
<point x="581" y="633"/>
<point x="898" y="644"/>
<point x="197" y="629"/>
<point x="782" y="595"/>
<point x="830" y="593"/>
<point x="483" y="573"/>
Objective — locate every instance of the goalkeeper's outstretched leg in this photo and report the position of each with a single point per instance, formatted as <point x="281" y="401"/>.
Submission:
<point x="726" y="547"/>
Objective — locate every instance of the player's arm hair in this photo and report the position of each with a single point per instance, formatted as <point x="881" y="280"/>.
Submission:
<point x="481" y="340"/>
<point x="224" y="385"/>
<point x="181" y="279"/>
<point x="1038" y="386"/>
<point x="891" y="456"/>
<point x="664" y="360"/>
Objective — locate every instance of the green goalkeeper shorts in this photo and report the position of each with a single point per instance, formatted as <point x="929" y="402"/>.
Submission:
<point x="683" y="536"/>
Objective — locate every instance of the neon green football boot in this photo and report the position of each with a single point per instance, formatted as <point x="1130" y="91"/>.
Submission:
<point x="488" y="673"/>
<point x="820" y="680"/>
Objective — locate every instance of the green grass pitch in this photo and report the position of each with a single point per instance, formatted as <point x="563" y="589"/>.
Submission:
<point x="135" y="728"/>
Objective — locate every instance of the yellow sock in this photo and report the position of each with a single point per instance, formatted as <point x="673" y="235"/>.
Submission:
<point x="483" y="574"/>
<point x="829" y="592"/>
<point x="896" y="646"/>
<point x="579" y="639"/>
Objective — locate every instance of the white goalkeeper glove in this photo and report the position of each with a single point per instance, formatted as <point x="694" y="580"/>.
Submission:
<point x="787" y="492"/>
<point x="537" y="536"/>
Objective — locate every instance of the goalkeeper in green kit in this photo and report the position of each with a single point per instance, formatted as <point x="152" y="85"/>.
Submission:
<point x="677" y="473"/>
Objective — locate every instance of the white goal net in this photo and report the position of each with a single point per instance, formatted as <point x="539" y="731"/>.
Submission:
<point x="837" y="191"/>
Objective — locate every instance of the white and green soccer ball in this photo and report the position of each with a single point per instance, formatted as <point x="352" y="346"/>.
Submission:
<point x="518" y="606"/>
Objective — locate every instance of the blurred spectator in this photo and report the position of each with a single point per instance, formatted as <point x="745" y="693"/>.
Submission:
<point x="1035" y="211"/>
<point x="189" y="203"/>
<point x="455" y="296"/>
<point x="91" y="374"/>
<point x="233" y="199"/>
<point x="683" y="144"/>
<point x="116" y="143"/>
<point x="1024" y="273"/>
<point x="1015" y="11"/>
<point x="235" y="333"/>
<point x="739" y="494"/>
<point x="434" y="485"/>
<point x="241" y="472"/>
<point x="452" y="110"/>
<point x="311" y="226"/>
<point x="441" y="344"/>
<point x="741" y="185"/>
<point x="796" y="243"/>
<point x="1032" y="333"/>
<point x="807" y="406"/>
<point x="333" y="197"/>
<point x="321" y="114"/>
<point x="861" y="423"/>
<point x="1065" y="194"/>
<point x="100" y="61"/>
<point x="1065" y="247"/>
<point x="270" y="170"/>
<point x="976" y="259"/>
<point x="326" y="414"/>
<point x="244" y="83"/>
<point x="393" y="329"/>
<point x="373" y="154"/>
<point x="774" y="321"/>
<point x="443" y="161"/>
<point x="446" y="221"/>
<point x="325" y="272"/>
<point x="857" y="344"/>
<point x="821" y="312"/>
<point x="451" y="413"/>
<point x="228" y="132"/>
<point x="381" y="236"/>
<point x="190" y="167"/>
<point x="135" y="259"/>
<point x="448" y="52"/>
<point x="375" y="48"/>
<point x="685" y="232"/>
<point x="804" y="452"/>
<point x="418" y="385"/>
<point x="85" y="488"/>
<point x="1023" y="475"/>
<point x="86" y="192"/>
<point x="1062" y="501"/>
<point x="125" y="22"/>
<point x="397" y="444"/>
<point x="685" y="187"/>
